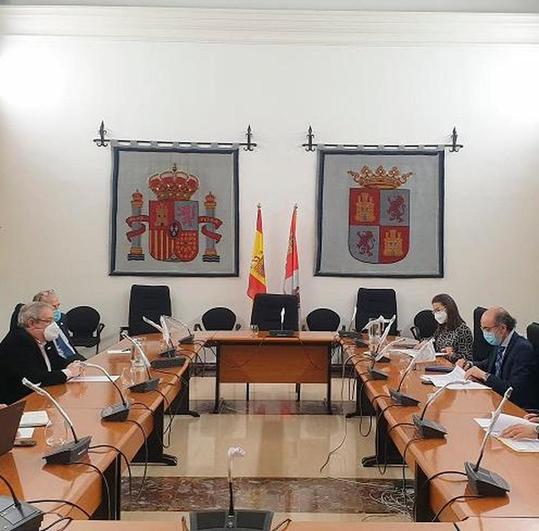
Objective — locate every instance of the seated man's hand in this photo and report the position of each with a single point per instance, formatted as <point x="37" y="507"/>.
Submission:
<point x="448" y="350"/>
<point x="519" y="431"/>
<point x="76" y="369"/>
<point x="475" y="373"/>
<point x="532" y="417"/>
<point x="461" y="363"/>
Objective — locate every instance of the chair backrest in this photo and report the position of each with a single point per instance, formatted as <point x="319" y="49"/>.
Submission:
<point x="267" y="308"/>
<point x="481" y="349"/>
<point x="425" y="323"/>
<point x="373" y="302"/>
<point x="533" y="335"/>
<point x="147" y="301"/>
<point x="323" y="320"/>
<point x="82" y="320"/>
<point x="14" y="322"/>
<point x="219" y="318"/>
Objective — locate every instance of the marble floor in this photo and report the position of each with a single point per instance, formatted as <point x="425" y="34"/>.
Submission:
<point x="286" y="445"/>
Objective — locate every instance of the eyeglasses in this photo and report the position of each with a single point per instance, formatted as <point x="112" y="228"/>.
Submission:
<point x="48" y="321"/>
<point x="488" y="328"/>
<point x="438" y="310"/>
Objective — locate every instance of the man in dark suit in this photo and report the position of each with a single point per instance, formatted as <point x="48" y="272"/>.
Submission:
<point x="28" y="352"/>
<point x="62" y="343"/>
<point x="513" y="363"/>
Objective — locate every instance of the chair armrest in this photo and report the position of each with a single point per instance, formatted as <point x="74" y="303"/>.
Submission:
<point x="303" y="328"/>
<point x="100" y="327"/>
<point x="415" y="332"/>
<point x="237" y="327"/>
<point x="123" y="329"/>
<point x="197" y="327"/>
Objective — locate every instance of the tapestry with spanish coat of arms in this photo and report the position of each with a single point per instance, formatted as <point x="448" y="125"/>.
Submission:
<point x="380" y="213"/>
<point x="174" y="211"/>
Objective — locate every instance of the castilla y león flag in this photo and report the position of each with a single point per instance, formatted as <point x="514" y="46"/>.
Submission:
<point x="257" y="275"/>
<point x="291" y="274"/>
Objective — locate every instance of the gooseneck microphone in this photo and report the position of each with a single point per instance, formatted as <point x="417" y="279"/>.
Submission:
<point x="281" y="332"/>
<point x="114" y="412"/>
<point x="350" y="333"/>
<point x="169" y="351"/>
<point x="480" y="480"/>
<point x="67" y="453"/>
<point x="186" y="340"/>
<point x="233" y="451"/>
<point x="150" y="384"/>
<point x="377" y="356"/>
<point x="428" y="429"/>
<point x="17" y="515"/>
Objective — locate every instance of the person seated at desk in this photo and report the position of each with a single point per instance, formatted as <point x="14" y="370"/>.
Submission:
<point x="28" y="352"/>
<point x="62" y="343"/>
<point x="513" y="363"/>
<point x="520" y="431"/>
<point x="452" y="335"/>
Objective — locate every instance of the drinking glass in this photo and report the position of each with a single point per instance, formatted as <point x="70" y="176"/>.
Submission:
<point x="56" y="429"/>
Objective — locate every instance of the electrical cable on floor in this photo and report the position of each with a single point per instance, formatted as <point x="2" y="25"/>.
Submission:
<point x="452" y="500"/>
<point x="105" y="483"/>
<point x="126" y="460"/>
<point x="146" y="457"/>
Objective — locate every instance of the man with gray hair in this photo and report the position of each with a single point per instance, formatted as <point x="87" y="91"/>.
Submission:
<point x="513" y="363"/>
<point x="28" y="352"/>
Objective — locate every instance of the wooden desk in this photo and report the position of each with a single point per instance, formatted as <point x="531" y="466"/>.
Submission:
<point x="80" y="484"/>
<point x="245" y="357"/>
<point x="455" y="410"/>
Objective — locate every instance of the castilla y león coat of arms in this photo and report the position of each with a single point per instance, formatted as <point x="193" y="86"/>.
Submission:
<point x="379" y="215"/>
<point x="174" y="219"/>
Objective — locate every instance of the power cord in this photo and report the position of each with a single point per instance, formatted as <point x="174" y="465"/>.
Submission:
<point x="105" y="483"/>
<point x="448" y="503"/>
<point x="283" y="525"/>
<point x="428" y="480"/>
<point x="63" y="502"/>
<point x="126" y="460"/>
<point x="66" y="519"/>
<point x="146" y="458"/>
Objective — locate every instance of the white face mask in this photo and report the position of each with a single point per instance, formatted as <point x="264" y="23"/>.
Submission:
<point x="441" y="317"/>
<point x="51" y="332"/>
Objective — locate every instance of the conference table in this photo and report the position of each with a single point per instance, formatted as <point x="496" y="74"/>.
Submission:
<point x="249" y="357"/>
<point x="139" y="439"/>
<point x="456" y="411"/>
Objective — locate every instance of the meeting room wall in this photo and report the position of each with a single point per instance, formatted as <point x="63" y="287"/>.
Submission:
<point x="55" y="183"/>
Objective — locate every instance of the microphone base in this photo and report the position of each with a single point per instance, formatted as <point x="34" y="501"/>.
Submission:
<point x="23" y="518"/>
<point x="115" y="413"/>
<point x="68" y="453"/>
<point x="428" y="429"/>
<point x="401" y="399"/>
<point x="485" y="483"/>
<point x="239" y="521"/>
<point x="282" y="333"/>
<point x="187" y="340"/>
<point x="167" y="363"/>
<point x="145" y="387"/>
<point x="377" y="375"/>
<point x="170" y="353"/>
<point x="348" y="334"/>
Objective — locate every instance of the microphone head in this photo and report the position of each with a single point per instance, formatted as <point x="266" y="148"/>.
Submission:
<point x="236" y="451"/>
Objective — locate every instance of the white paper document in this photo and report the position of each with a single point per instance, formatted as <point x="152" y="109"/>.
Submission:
<point x="92" y="379"/>
<point x="25" y="433"/>
<point x="505" y="421"/>
<point x="32" y="419"/>
<point x="439" y="380"/>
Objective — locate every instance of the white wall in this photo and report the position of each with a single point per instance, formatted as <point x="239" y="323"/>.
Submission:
<point x="55" y="184"/>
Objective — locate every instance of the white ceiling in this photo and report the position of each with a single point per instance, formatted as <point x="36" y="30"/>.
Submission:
<point x="487" y="6"/>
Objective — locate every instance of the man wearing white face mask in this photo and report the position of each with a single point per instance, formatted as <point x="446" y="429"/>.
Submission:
<point x="62" y="343"/>
<point x="28" y="352"/>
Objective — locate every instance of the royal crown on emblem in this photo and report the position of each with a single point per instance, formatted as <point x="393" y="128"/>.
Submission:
<point x="173" y="184"/>
<point x="380" y="178"/>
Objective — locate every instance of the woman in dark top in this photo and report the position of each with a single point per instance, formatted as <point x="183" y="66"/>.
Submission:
<point x="452" y="335"/>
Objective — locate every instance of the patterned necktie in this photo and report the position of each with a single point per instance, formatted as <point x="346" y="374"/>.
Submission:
<point x="499" y="360"/>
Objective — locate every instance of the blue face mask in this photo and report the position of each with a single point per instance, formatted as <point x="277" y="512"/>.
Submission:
<point x="57" y="314"/>
<point x="491" y="338"/>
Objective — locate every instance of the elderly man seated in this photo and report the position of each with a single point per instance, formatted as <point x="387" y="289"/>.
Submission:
<point x="62" y="343"/>
<point x="28" y="352"/>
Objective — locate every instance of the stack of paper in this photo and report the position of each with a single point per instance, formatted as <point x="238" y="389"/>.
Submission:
<point x="439" y="380"/>
<point x="505" y="421"/>
<point x="32" y="419"/>
<point x="25" y="433"/>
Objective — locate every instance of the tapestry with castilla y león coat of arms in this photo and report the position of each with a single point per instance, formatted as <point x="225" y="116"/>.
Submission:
<point x="380" y="213"/>
<point x="174" y="211"/>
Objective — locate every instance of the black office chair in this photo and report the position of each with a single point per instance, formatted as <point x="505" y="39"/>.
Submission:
<point x="424" y="325"/>
<point x="266" y="314"/>
<point x="323" y="320"/>
<point x="481" y="349"/>
<point x="218" y="318"/>
<point x="533" y="335"/>
<point x="14" y="322"/>
<point x="267" y="307"/>
<point x="85" y="327"/>
<point x="147" y="301"/>
<point x="373" y="302"/>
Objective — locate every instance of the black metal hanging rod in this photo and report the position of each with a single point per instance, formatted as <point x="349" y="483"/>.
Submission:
<point x="454" y="146"/>
<point x="102" y="141"/>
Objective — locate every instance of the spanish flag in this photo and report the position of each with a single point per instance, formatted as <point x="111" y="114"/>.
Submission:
<point x="257" y="275"/>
